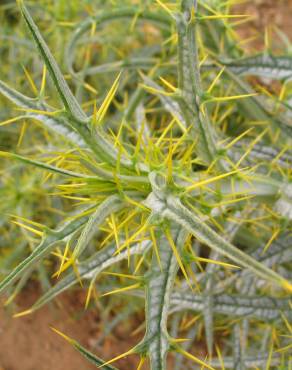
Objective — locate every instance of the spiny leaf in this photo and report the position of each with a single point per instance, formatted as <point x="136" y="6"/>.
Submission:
<point x="97" y="143"/>
<point x="262" y="308"/>
<point x="208" y="311"/>
<point x="49" y="241"/>
<point x="191" y="90"/>
<point x="68" y="99"/>
<point x="180" y="214"/>
<point x="264" y="65"/>
<point x="158" y="291"/>
<point x="17" y="98"/>
<point x="110" y="205"/>
<point x="250" y="362"/>
<point x="44" y="166"/>
<point x="59" y="125"/>
<point x="170" y="207"/>
<point x="84" y="352"/>
<point x="90" y="269"/>
<point x="261" y="152"/>
<point x="279" y="252"/>
<point x="238" y="355"/>
<point x="194" y="359"/>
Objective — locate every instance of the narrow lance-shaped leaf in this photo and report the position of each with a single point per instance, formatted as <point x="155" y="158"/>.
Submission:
<point x="110" y="205"/>
<point x="17" y="98"/>
<point x="56" y="124"/>
<point x="181" y="215"/>
<point x="191" y="88"/>
<point x="279" y="252"/>
<point x="49" y="240"/>
<point x="262" y="308"/>
<point x="78" y="119"/>
<point x="91" y="268"/>
<point x="45" y="166"/>
<point x="264" y="65"/>
<point x="237" y="349"/>
<point x="208" y="309"/>
<point x="66" y="95"/>
<point x="85" y="353"/>
<point x="211" y="273"/>
<point x="256" y="361"/>
<point x="158" y="290"/>
<point x="241" y="329"/>
<point x="168" y="206"/>
<point x="261" y="152"/>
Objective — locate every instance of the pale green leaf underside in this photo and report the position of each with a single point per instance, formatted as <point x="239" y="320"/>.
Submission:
<point x="90" y="269"/>
<point x="262" y="308"/>
<point x="158" y="291"/>
<point x="279" y="252"/>
<point x="264" y="65"/>
<point x="250" y="362"/>
<point x="170" y="207"/>
<point x="261" y="152"/>
<point x="191" y="90"/>
<point x="180" y="214"/>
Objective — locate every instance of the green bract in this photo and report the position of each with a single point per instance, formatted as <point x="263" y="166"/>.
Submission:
<point x="181" y="169"/>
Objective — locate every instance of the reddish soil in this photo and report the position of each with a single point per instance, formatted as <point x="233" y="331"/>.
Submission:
<point x="28" y="343"/>
<point x="267" y="15"/>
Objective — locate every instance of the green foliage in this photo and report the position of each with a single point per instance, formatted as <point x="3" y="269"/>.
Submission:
<point x="180" y="165"/>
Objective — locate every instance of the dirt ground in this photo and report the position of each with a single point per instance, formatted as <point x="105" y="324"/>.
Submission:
<point x="267" y="15"/>
<point x="28" y="343"/>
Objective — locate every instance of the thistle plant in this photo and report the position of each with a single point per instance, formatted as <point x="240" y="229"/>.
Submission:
<point x="180" y="177"/>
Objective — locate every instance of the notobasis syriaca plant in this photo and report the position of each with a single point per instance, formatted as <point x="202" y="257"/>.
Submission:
<point x="180" y="176"/>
